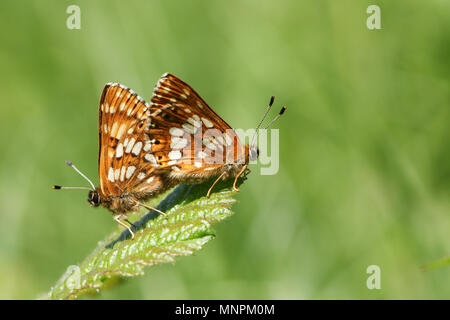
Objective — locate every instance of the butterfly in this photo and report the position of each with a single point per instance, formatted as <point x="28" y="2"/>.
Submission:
<point x="147" y="148"/>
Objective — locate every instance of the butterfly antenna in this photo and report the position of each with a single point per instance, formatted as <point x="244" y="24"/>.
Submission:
<point x="272" y="99"/>
<point x="70" y="164"/>
<point x="73" y="188"/>
<point x="276" y="117"/>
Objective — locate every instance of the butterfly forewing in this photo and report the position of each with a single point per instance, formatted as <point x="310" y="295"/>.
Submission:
<point x="190" y="136"/>
<point x="125" y="148"/>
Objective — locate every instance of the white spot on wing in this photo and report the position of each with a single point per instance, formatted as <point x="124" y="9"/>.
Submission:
<point x="176" y="131"/>
<point x="137" y="148"/>
<point x="141" y="175"/>
<point x="207" y="123"/>
<point x="114" y="129"/>
<point x="151" y="158"/>
<point x="198" y="164"/>
<point x="111" y="174"/>
<point x="121" y="131"/>
<point x="122" y="173"/>
<point x="130" y="145"/>
<point x="195" y="121"/>
<point x="130" y="171"/>
<point x="189" y="128"/>
<point x="148" y="146"/>
<point x="178" y="143"/>
<point x="175" y="155"/>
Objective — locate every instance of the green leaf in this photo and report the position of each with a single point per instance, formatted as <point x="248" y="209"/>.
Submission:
<point x="187" y="229"/>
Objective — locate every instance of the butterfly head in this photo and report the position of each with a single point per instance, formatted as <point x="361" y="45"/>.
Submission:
<point x="94" y="198"/>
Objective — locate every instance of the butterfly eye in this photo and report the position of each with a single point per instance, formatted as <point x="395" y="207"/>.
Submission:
<point x="94" y="198"/>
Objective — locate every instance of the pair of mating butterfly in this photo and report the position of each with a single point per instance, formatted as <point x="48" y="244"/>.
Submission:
<point x="145" y="149"/>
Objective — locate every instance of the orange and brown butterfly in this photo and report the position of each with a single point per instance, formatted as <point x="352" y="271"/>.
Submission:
<point x="146" y="149"/>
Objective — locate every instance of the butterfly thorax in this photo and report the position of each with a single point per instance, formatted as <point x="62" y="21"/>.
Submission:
<point x="119" y="204"/>
<point x="232" y="169"/>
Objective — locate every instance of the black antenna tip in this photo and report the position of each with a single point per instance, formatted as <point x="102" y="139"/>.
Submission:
<point x="282" y="110"/>
<point x="272" y="99"/>
<point x="56" y="187"/>
<point x="69" y="163"/>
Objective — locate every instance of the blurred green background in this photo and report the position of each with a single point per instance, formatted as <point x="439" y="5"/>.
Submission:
<point x="364" y="173"/>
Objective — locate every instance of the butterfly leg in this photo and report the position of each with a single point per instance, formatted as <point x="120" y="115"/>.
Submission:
<point x="217" y="180"/>
<point x="246" y="173"/>
<point x="119" y="221"/>
<point x="239" y="174"/>
<point x="131" y="224"/>
<point x="151" y="208"/>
